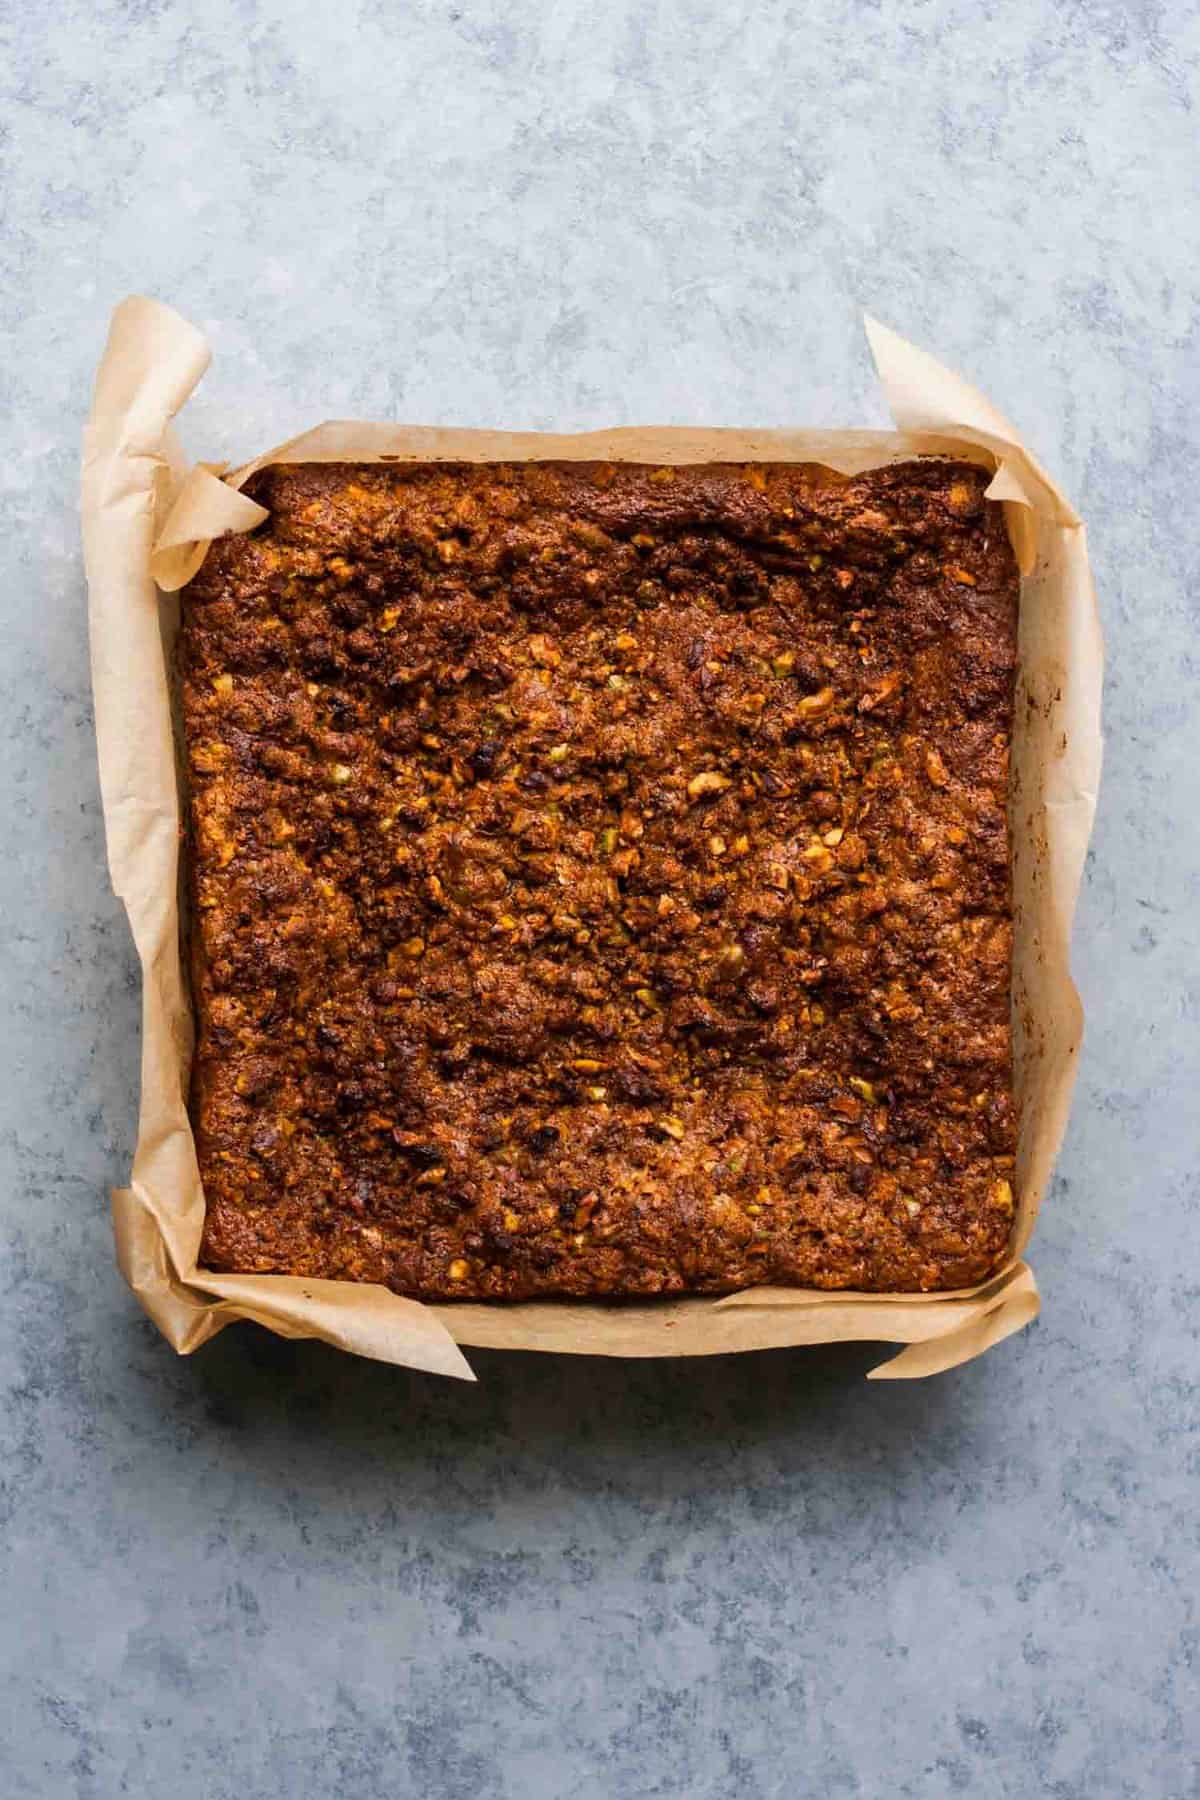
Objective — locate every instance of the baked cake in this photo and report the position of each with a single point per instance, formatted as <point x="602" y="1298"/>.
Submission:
<point x="600" y="878"/>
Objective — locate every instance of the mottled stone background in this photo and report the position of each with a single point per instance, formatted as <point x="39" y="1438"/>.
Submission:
<point x="271" y="1572"/>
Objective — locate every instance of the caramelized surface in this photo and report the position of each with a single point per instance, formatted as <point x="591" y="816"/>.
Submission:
<point x="600" y="878"/>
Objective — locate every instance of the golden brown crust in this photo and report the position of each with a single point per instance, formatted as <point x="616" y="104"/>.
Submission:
<point x="601" y="878"/>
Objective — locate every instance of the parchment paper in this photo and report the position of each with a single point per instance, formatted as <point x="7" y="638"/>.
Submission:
<point x="148" y="519"/>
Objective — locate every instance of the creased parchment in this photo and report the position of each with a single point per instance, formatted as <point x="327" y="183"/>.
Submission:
<point x="147" y="523"/>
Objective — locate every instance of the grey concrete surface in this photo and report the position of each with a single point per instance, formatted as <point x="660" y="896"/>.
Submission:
<point x="269" y="1571"/>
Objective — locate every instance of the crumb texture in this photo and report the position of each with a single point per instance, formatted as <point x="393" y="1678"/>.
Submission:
<point x="600" y="878"/>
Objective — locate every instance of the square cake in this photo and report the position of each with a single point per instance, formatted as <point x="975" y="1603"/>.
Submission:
<point x="599" y="878"/>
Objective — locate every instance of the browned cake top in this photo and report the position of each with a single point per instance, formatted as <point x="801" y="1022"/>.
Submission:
<point x="600" y="878"/>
